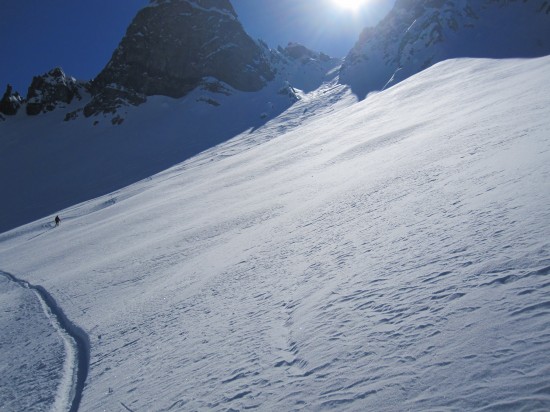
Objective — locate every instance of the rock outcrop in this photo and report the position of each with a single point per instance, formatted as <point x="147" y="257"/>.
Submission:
<point x="170" y="46"/>
<point x="300" y="52"/>
<point x="46" y="92"/>
<point x="173" y="47"/>
<point x="11" y="102"/>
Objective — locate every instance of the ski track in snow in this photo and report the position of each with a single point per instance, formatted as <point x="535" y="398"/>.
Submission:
<point x="76" y="353"/>
<point x="391" y="255"/>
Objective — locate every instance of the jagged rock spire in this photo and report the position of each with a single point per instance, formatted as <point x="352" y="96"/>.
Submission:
<point x="171" y="45"/>
<point x="10" y="102"/>
<point x="50" y="89"/>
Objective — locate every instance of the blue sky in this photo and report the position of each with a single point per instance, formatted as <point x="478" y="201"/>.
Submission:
<point x="80" y="36"/>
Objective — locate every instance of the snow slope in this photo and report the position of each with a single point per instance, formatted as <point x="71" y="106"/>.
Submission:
<point x="388" y="255"/>
<point x="33" y="354"/>
<point x="47" y="164"/>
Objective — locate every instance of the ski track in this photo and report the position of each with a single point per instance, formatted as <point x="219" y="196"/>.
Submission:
<point x="76" y="348"/>
<point x="418" y="281"/>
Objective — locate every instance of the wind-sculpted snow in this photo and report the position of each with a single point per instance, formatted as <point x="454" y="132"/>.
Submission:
<point x="387" y="255"/>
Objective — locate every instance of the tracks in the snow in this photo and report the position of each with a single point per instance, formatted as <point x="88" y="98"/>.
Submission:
<point x="76" y="343"/>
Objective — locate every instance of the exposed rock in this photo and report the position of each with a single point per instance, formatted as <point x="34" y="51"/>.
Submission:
<point x="117" y="120"/>
<point x="72" y="115"/>
<point x="171" y="46"/>
<point x="11" y="102"/>
<point x="209" y="101"/>
<point x="297" y="51"/>
<point x="212" y="85"/>
<point x="111" y="98"/>
<point x="46" y="92"/>
<point x="175" y="46"/>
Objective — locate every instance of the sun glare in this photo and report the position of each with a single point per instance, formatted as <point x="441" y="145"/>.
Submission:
<point x="352" y="5"/>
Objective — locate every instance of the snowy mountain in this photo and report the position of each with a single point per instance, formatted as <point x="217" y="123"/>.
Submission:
<point x="187" y="77"/>
<point x="52" y="90"/>
<point x="418" y="33"/>
<point x="227" y="84"/>
<point x="48" y="164"/>
<point x="240" y="231"/>
<point x="391" y="254"/>
<point x="171" y="46"/>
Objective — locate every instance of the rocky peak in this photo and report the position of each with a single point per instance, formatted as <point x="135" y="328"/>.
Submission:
<point x="297" y="51"/>
<point x="419" y="33"/>
<point x="172" y="44"/>
<point x="11" y="102"/>
<point x="47" y="91"/>
<point x="301" y="68"/>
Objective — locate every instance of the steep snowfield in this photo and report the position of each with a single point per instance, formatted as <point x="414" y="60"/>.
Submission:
<point x="392" y="254"/>
<point x="47" y="164"/>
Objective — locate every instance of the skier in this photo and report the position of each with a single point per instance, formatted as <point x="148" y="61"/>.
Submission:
<point x="57" y="220"/>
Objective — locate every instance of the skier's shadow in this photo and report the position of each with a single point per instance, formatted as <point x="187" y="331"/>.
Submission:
<point x="48" y="226"/>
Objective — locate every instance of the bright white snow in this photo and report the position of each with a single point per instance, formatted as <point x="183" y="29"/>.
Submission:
<point x="35" y="372"/>
<point x="391" y="254"/>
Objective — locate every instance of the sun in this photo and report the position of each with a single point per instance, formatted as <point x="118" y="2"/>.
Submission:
<point x="352" y="5"/>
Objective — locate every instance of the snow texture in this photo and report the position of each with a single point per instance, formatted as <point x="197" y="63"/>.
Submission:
<point x="391" y="254"/>
<point x="67" y="368"/>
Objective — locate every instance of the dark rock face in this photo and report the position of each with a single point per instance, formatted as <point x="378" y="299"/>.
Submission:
<point x="169" y="49"/>
<point x="11" y="102"/>
<point x="299" y="52"/>
<point x="419" y="33"/>
<point x="111" y="98"/>
<point x="171" y="45"/>
<point x="49" y="90"/>
<point x="108" y="101"/>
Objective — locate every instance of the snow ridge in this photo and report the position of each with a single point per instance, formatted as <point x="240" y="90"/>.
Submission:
<point x="77" y="348"/>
